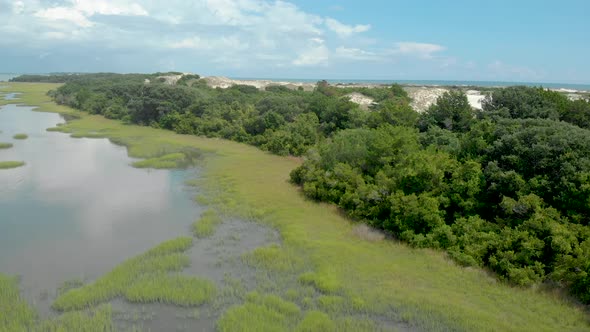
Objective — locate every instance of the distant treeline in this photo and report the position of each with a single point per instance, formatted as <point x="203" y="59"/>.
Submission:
<point x="507" y="188"/>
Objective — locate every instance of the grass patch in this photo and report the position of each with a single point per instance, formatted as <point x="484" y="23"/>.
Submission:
<point x="316" y="321"/>
<point x="207" y="224"/>
<point x="172" y="289"/>
<point x="324" y="283"/>
<point x="98" y="320"/>
<point x="16" y="315"/>
<point x="167" y="257"/>
<point x="390" y="278"/>
<point x="171" y="160"/>
<point x="260" y="313"/>
<point x="5" y="145"/>
<point x="11" y="164"/>
<point x="331" y="303"/>
<point x="69" y="285"/>
<point x="55" y="129"/>
<point x="273" y="258"/>
<point x="20" y="136"/>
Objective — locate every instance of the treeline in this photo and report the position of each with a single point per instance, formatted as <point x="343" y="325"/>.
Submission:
<point x="278" y="119"/>
<point x="506" y="188"/>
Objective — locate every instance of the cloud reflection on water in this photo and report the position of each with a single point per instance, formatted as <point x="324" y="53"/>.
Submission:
<point x="77" y="207"/>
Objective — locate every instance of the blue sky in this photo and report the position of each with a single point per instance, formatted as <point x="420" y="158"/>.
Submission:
<point x="524" y="40"/>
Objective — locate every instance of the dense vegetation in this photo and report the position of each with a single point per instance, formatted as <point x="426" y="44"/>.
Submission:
<point x="279" y="119"/>
<point x="507" y="188"/>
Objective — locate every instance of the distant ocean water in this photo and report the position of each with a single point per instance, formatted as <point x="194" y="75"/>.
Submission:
<point x="569" y="86"/>
<point x="580" y="87"/>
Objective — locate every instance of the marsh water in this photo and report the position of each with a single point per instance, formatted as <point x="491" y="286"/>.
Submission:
<point x="77" y="209"/>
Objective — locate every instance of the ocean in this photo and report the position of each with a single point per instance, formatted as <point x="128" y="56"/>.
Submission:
<point x="568" y="86"/>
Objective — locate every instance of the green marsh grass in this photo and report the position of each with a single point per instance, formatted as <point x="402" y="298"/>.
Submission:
<point x="260" y="313"/>
<point x="316" y="321"/>
<point x="17" y="315"/>
<point x="273" y="258"/>
<point x="11" y="164"/>
<point x="166" y="257"/>
<point x="20" y="136"/>
<point x="172" y="289"/>
<point x="393" y="280"/>
<point x="69" y="285"/>
<point x="325" y="283"/>
<point x="171" y="160"/>
<point x="207" y="224"/>
<point x="5" y="145"/>
<point x="94" y="320"/>
<point x="272" y="313"/>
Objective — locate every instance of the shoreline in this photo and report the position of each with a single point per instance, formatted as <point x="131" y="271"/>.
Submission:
<point x="566" y="87"/>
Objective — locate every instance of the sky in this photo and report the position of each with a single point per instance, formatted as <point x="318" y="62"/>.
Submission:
<point x="500" y="40"/>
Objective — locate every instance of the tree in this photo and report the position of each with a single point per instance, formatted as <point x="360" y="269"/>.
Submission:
<point x="523" y="102"/>
<point x="451" y="111"/>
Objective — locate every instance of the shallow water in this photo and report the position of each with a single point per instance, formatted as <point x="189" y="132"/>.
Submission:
<point x="77" y="208"/>
<point x="11" y="96"/>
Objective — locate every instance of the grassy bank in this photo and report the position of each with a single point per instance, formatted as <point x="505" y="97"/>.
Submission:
<point x="338" y="274"/>
<point x="5" y="145"/>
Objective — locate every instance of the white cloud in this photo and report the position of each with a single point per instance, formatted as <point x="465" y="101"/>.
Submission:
<point x="198" y="34"/>
<point x="92" y="7"/>
<point x="421" y="50"/>
<point x="18" y="7"/>
<point x="316" y="53"/>
<point x="356" y="54"/>
<point x="234" y="12"/>
<point x="232" y="43"/>
<point x="80" y="11"/>
<point x="344" y="30"/>
<point x="65" y="14"/>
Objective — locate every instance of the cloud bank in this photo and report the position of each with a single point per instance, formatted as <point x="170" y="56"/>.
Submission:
<point x="264" y="38"/>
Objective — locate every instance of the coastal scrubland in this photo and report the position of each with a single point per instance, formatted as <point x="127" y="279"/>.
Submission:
<point x="324" y="275"/>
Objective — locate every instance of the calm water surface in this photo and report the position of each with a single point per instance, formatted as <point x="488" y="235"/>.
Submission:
<point x="77" y="208"/>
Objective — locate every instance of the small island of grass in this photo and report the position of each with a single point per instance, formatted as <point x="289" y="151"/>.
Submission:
<point x="11" y="164"/>
<point x="20" y="136"/>
<point x="5" y="145"/>
<point x="171" y="160"/>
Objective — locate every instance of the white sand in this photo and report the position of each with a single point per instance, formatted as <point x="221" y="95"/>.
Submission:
<point x="475" y="98"/>
<point x="361" y="99"/>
